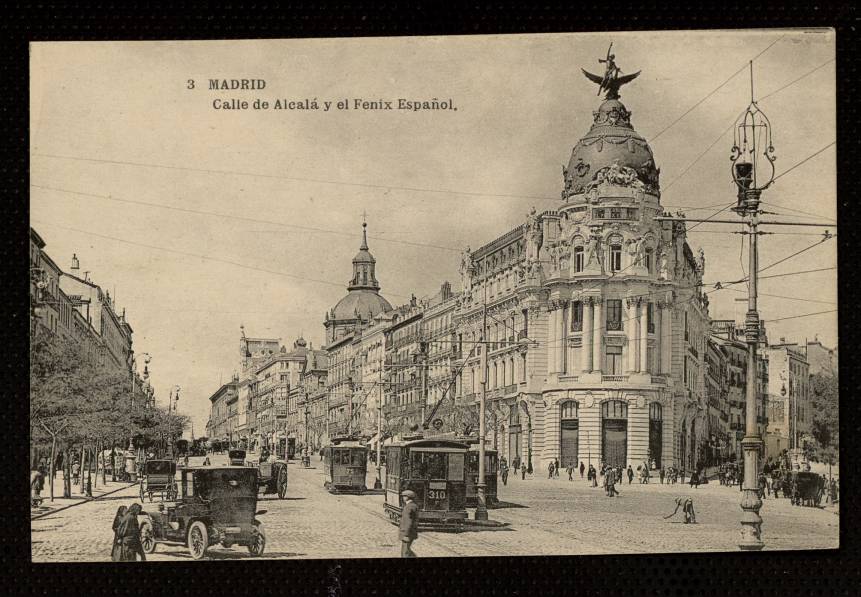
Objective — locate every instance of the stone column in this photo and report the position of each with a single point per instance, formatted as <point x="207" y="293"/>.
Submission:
<point x="630" y="335"/>
<point x="586" y="344"/>
<point x="666" y="338"/>
<point x="644" y="336"/>
<point x="659" y="339"/>
<point x="561" y="344"/>
<point x="554" y="337"/>
<point x="598" y="327"/>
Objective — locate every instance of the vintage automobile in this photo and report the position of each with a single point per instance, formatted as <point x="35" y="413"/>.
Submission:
<point x="215" y="505"/>
<point x="271" y="477"/>
<point x="158" y="476"/>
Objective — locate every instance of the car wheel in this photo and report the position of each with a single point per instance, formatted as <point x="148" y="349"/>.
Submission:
<point x="282" y="483"/>
<point x="258" y="543"/>
<point x="147" y="537"/>
<point x="198" y="540"/>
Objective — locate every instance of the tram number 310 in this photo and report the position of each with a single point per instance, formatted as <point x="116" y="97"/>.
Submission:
<point x="436" y="494"/>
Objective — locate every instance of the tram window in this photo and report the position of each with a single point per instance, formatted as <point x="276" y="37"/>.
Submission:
<point x="455" y="467"/>
<point x="358" y="458"/>
<point x="489" y="464"/>
<point x="427" y="465"/>
<point x="343" y="457"/>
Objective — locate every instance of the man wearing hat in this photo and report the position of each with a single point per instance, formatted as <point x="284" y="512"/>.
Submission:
<point x="409" y="528"/>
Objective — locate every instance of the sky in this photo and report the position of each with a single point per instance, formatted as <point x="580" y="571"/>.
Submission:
<point x="200" y="220"/>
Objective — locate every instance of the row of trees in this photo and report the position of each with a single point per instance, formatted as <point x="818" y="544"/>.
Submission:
<point x="79" y="409"/>
<point x="825" y="429"/>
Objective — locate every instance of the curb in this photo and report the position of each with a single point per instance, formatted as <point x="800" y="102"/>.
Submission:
<point x="83" y="501"/>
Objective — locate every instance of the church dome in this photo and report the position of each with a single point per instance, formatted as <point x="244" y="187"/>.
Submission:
<point x="611" y="142"/>
<point x="360" y="303"/>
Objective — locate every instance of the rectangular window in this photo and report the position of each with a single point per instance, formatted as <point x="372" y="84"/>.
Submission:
<point x="687" y="337"/>
<point x="650" y="317"/>
<point x="614" y="314"/>
<point x="598" y="214"/>
<point x="616" y="213"/>
<point x="648" y="260"/>
<point x="614" y="360"/>
<point x="578" y="259"/>
<point x="577" y="316"/>
<point x="615" y="258"/>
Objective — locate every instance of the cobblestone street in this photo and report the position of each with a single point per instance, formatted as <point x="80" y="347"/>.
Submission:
<point x="542" y="516"/>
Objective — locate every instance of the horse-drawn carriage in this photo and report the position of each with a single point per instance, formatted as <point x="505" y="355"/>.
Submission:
<point x="804" y="488"/>
<point x="159" y="476"/>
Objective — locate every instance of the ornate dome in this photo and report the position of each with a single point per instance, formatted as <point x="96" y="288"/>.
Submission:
<point x="360" y="303"/>
<point x="611" y="141"/>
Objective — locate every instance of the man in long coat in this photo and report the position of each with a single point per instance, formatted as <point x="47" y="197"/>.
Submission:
<point x="409" y="529"/>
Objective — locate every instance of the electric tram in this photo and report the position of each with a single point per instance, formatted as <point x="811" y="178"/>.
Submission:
<point x="345" y="465"/>
<point x="491" y="466"/>
<point x="432" y="468"/>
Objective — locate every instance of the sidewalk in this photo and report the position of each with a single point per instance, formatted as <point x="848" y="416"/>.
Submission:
<point x="77" y="498"/>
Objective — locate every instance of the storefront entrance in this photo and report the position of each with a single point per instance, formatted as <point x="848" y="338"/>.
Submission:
<point x="614" y="433"/>
<point x="569" y="434"/>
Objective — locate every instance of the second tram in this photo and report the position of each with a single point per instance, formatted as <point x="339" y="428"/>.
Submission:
<point x="345" y="465"/>
<point x="491" y="466"/>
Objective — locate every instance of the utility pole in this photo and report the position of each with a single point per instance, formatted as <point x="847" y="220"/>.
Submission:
<point x="378" y="482"/>
<point x="752" y="158"/>
<point x="481" y="508"/>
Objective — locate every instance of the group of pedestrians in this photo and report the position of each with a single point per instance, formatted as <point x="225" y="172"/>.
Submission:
<point x="127" y="535"/>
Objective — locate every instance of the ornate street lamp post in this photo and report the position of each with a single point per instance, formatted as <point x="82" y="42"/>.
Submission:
<point x="752" y="171"/>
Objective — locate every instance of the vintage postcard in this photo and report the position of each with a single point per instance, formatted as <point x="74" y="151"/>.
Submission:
<point x="433" y="296"/>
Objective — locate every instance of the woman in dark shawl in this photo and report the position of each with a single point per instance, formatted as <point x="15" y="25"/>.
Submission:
<point x="130" y="536"/>
<point x="115" y="550"/>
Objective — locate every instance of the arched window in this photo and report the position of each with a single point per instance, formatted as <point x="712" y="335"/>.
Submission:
<point x="569" y="409"/>
<point x="614" y="409"/>
<point x="614" y="432"/>
<point x="656" y="427"/>
<point x="569" y="433"/>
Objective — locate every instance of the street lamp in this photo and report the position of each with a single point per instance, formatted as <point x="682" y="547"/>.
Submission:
<point x="752" y="158"/>
<point x="173" y="397"/>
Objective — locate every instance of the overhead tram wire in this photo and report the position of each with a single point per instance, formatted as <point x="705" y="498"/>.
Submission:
<point x="810" y="157"/>
<point x="800" y="316"/>
<point x="763" y="98"/>
<point x="793" y="82"/>
<point x="240" y="218"/>
<point x="296" y="178"/>
<point x="716" y="89"/>
<point x="806" y="213"/>
<point x="199" y="256"/>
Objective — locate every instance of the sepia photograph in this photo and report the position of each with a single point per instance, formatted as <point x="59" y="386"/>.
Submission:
<point x="440" y="296"/>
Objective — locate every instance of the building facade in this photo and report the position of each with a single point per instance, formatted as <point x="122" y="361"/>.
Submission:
<point x="790" y="413"/>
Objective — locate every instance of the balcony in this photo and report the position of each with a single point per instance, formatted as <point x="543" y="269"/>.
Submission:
<point x="659" y="379"/>
<point x="614" y="325"/>
<point x="614" y="378"/>
<point x="521" y="335"/>
<point x="510" y="389"/>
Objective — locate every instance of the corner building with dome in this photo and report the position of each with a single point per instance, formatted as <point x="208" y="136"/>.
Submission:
<point x="595" y="316"/>
<point x="596" y="323"/>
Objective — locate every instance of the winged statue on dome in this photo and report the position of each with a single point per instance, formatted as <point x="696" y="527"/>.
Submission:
<point x="611" y="81"/>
